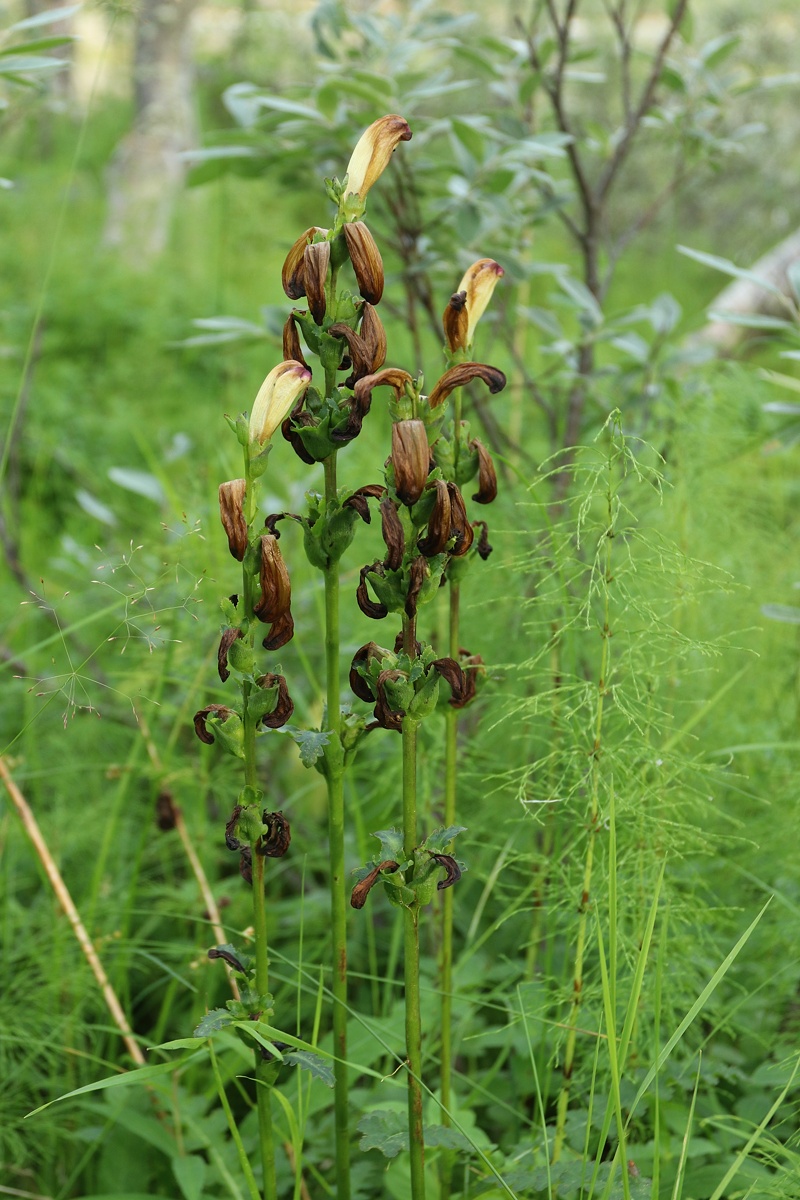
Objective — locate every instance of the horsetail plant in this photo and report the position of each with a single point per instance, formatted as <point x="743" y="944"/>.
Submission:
<point x="425" y="528"/>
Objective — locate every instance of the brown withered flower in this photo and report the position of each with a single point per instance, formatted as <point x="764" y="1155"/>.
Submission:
<point x="451" y="867"/>
<point x="211" y="710"/>
<point x="358" y="897"/>
<point x="361" y="496"/>
<point x="229" y="636"/>
<point x="292" y="348"/>
<point x="231" y="840"/>
<point x="166" y="811"/>
<point x="455" y="322"/>
<point x="419" y="573"/>
<point x="393" y="535"/>
<point x="460" y="527"/>
<point x="439" y="522"/>
<point x="366" y="260"/>
<point x="410" y="459"/>
<point x="360" y="353"/>
<point x="316" y="260"/>
<point x="298" y="416"/>
<point x="231" y="511"/>
<point x="293" y="272"/>
<point x="386" y="716"/>
<point x="374" y="335"/>
<point x="451" y="673"/>
<point x="487" y="476"/>
<point x="369" y="607"/>
<point x="478" y="285"/>
<point x="361" y="658"/>
<point x="472" y="667"/>
<point x="275" y="842"/>
<point x="484" y="547"/>
<point x="246" y="864"/>
<point x="463" y="374"/>
<point x="284" y="706"/>
<point x="273" y="604"/>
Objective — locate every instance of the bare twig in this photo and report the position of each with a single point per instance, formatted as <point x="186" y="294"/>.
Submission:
<point x="33" y="831"/>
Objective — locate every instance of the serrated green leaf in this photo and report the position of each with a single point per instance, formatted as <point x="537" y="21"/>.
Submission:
<point x="391" y="841"/>
<point x="218" y="1018"/>
<point x="311" y="742"/>
<point x="438" y="841"/>
<point x="313" y="1063"/>
<point x="384" y="1130"/>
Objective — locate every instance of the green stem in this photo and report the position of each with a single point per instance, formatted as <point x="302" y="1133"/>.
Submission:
<point x="446" y="961"/>
<point x="335" y="784"/>
<point x="594" y="815"/>
<point x="411" y="945"/>
<point x="263" y="1089"/>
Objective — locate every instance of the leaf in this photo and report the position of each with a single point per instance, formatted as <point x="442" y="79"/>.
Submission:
<point x="728" y="268"/>
<point x="438" y="841"/>
<point x="781" y="380"/>
<point x="751" y="320"/>
<point x="788" y="613"/>
<point x="313" y="1063"/>
<point x="94" y="507"/>
<point x="391" y="841"/>
<point x="138" y="1078"/>
<point x="582" y="297"/>
<point x="14" y="63"/>
<point x="385" y="1131"/>
<point x="46" y="18"/>
<point x="190" y="1043"/>
<point x="218" y="1018"/>
<point x="190" y="1173"/>
<point x="142" y="483"/>
<point x="311" y="742"/>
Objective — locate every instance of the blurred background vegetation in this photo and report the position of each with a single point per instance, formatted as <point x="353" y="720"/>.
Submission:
<point x="158" y="160"/>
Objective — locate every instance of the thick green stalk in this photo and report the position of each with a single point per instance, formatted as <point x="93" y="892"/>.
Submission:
<point x="335" y="783"/>
<point x="411" y="945"/>
<point x="594" y="815"/>
<point x="263" y="1096"/>
<point x="446" y="961"/>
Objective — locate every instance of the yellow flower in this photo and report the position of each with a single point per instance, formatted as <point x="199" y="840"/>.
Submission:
<point x="373" y="151"/>
<point x="478" y="283"/>
<point x="276" y="396"/>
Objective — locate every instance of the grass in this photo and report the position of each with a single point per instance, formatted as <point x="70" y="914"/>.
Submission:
<point x="687" y="1020"/>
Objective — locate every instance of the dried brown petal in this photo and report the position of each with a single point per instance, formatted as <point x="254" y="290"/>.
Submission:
<point x="455" y="322"/>
<point x="487" y="476"/>
<point x="369" y="607"/>
<point x="366" y="260"/>
<point x="419" y="573"/>
<point x="231" y="840"/>
<point x="298" y="416"/>
<point x="392" y="377"/>
<point x="361" y="496"/>
<point x="211" y="710"/>
<point x="463" y="374"/>
<point x="231" y="511"/>
<point x="398" y="646"/>
<point x="292" y="275"/>
<point x="358" y="897"/>
<point x="374" y="335"/>
<point x="166" y="811"/>
<point x="411" y="459"/>
<point x="460" y="527"/>
<point x="452" y="674"/>
<point x="228" y="957"/>
<point x="392" y="533"/>
<point x="292" y="348"/>
<point x="484" y="548"/>
<point x="358" y="684"/>
<point x="275" y="842"/>
<point x="386" y="716"/>
<point x="316" y="260"/>
<point x="439" y="531"/>
<point x="276" y="591"/>
<point x="246" y="865"/>
<point x="284" y="706"/>
<point x="360" y="355"/>
<point x="281" y="632"/>
<point x="229" y="636"/>
<point x="471" y="667"/>
<point x="451" y="866"/>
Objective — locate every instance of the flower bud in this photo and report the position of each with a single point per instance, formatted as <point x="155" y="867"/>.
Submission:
<point x="478" y="283"/>
<point x="366" y="260"/>
<point x="463" y="374"/>
<point x="275" y="398"/>
<point x="316" y="260"/>
<point x="410" y="459"/>
<point x="293" y="273"/>
<point x="373" y="151"/>
<point x="231" y="511"/>
<point x="456" y="322"/>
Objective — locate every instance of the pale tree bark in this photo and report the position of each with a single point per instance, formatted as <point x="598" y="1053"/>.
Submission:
<point x="147" y="170"/>
<point x="745" y="297"/>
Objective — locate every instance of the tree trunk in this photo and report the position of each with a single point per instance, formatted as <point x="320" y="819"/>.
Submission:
<point x="146" y="173"/>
